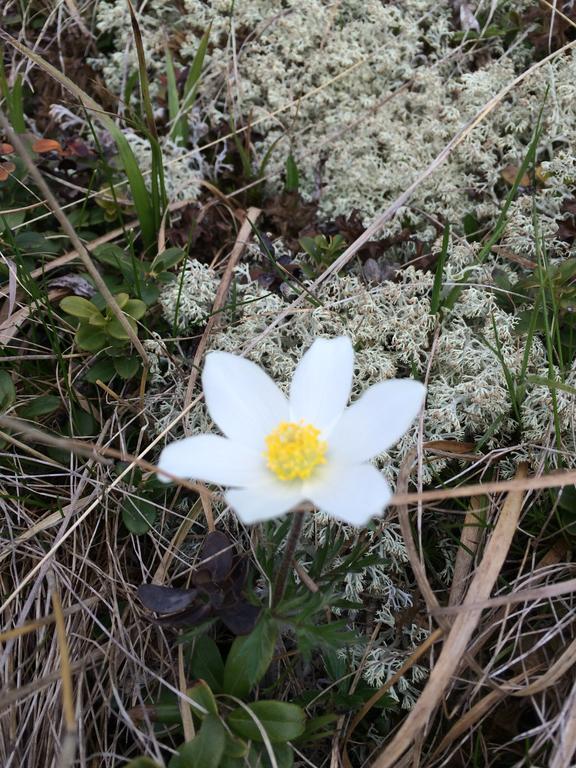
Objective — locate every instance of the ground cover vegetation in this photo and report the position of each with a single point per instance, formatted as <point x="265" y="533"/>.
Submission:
<point x="181" y="178"/>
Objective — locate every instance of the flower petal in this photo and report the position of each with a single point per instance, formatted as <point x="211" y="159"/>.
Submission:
<point x="264" y="502"/>
<point x="353" y="494"/>
<point x="212" y="459"/>
<point x="243" y="400"/>
<point x="322" y="382"/>
<point x="377" y="420"/>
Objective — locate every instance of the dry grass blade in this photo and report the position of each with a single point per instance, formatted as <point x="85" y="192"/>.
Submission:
<point x="10" y="327"/>
<point x="550" y="590"/>
<point x="69" y="230"/>
<point x="551" y="480"/>
<point x="469" y="542"/>
<point x="375" y="698"/>
<point x="69" y="740"/>
<point x="564" y="752"/>
<point x="461" y="632"/>
<point x="467" y="722"/>
<point x="185" y="713"/>
<point x="94" y="451"/>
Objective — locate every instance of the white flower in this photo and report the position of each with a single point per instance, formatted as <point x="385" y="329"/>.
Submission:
<point x="279" y="452"/>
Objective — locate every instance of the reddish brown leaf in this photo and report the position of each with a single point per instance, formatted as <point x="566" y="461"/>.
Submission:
<point x="43" y="146"/>
<point x="5" y="170"/>
<point x="6" y="149"/>
<point x="509" y="174"/>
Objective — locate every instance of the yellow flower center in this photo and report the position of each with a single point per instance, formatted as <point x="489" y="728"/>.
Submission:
<point x="293" y="451"/>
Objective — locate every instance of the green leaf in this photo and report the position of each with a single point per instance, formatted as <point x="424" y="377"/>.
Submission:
<point x="40" y="406"/>
<point x="310" y="246"/>
<point x="7" y="390"/>
<point x="113" y="256"/>
<point x="249" y="658"/>
<point x="90" y="338"/>
<point x="103" y="370"/>
<point x="126" y="367"/>
<point x="201" y="694"/>
<point x="235" y="747"/>
<point x="206" y="663"/>
<point x="78" y="307"/>
<point x="138" y="515"/>
<point x="35" y="243"/>
<point x="115" y="329"/>
<point x="281" y="721"/>
<point x="135" y="308"/>
<point x="320" y="727"/>
<point x="10" y="221"/>
<point x="292" y="177"/>
<point x="122" y="299"/>
<point x="140" y="195"/>
<point x="206" y="749"/>
<point x="149" y="293"/>
<point x="167" y="259"/>
<point x="97" y="320"/>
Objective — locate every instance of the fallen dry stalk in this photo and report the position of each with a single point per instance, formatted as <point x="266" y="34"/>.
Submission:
<point x="242" y="241"/>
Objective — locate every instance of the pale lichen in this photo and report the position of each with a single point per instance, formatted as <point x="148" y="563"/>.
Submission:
<point x="368" y="94"/>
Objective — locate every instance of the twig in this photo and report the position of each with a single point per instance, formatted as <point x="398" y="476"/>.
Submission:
<point x="219" y="301"/>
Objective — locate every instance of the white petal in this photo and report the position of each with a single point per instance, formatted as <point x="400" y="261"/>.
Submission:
<point x="212" y="459"/>
<point x="322" y="382"/>
<point x="243" y="400"/>
<point x="377" y="420"/>
<point x="263" y="502"/>
<point x="353" y="494"/>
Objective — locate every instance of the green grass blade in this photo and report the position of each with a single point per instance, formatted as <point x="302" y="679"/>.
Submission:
<point x="13" y="97"/>
<point x="193" y="79"/>
<point x="528" y="161"/>
<point x="177" y="127"/>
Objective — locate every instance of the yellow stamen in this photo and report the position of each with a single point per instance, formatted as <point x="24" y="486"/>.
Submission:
<point x="293" y="451"/>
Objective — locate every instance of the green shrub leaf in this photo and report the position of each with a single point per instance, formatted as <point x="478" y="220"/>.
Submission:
<point x="281" y="721"/>
<point x="7" y="390"/>
<point x="78" y="307"/>
<point x="206" y="749"/>
<point x="250" y="657"/>
<point x="40" y="406"/>
<point x="89" y="338"/>
<point x="126" y="367"/>
<point x="138" y="515"/>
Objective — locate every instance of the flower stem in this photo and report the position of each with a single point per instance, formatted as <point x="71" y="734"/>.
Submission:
<point x="289" y="549"/>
